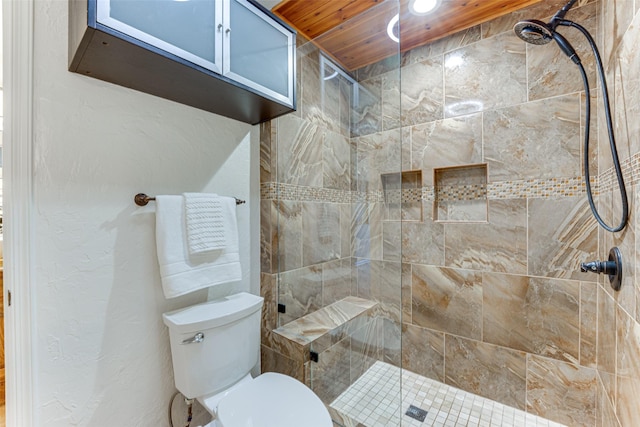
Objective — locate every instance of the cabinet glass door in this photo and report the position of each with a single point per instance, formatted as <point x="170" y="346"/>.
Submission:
<point x="190" y="29"/>
<point x="258" y="51"/>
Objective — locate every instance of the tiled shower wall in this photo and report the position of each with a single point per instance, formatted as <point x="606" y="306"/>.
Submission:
<point x="496" y="308"/>
<point x="618" y="329"/>
<point x="500" y="308"/>
<point x="309" y="233"/>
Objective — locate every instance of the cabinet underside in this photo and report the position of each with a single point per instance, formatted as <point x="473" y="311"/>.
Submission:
<point x="124" y="61"/>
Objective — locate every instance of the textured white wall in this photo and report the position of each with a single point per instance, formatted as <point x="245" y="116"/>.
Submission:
<point x="102" y="353"/>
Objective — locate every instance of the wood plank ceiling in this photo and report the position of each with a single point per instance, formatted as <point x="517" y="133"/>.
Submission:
<point x="354" y="32"/>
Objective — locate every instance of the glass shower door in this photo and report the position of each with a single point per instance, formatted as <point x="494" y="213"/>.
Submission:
<point x="339" y="221"/>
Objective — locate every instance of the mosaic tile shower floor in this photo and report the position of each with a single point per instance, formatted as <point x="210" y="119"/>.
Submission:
<point x="373" y="401"/>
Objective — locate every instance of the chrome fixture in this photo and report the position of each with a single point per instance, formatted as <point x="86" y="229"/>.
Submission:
<point x="196" y="339"/>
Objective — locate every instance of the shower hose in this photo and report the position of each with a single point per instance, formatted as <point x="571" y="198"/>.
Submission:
<point x="612" y="142"/>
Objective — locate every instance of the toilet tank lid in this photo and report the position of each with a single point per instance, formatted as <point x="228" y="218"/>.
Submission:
<point x="213" y="313"/>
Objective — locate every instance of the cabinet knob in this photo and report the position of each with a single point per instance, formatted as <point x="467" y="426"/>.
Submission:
<point x="219" y="27"/>
<point x="228" y="31"/>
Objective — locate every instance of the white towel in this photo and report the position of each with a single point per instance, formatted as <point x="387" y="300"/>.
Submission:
<point x="181" y="272"/>
<point x="205" y="222"/>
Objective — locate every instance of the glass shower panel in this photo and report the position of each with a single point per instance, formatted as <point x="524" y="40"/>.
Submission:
<point x="339" y="270"/>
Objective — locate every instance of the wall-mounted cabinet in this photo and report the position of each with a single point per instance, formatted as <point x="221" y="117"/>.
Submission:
<point x="230" y="57"/>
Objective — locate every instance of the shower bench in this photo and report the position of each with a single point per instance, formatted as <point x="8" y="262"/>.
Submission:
<point x="307" y="337"/>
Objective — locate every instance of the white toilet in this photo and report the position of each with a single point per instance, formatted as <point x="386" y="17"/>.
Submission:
<point x="214" y="346"/>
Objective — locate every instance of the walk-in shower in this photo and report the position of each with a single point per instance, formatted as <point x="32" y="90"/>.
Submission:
<point x="538" y="33"/>
<point x="423" y="224"/>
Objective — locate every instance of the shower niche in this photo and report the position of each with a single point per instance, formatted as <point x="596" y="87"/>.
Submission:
<point x="460" y="193"/>
<point x="403" y="191"/>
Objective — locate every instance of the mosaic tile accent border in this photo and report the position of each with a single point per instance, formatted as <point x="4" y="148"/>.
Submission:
<point x="461" y="192"/>
<point x="532" y="189"/>
<point x="630" y="170"/>
<point x="539" y="188"/>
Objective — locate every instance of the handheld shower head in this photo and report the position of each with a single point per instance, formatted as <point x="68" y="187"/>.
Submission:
<point x="537" y="32"/>
<point x="533" y="31"/>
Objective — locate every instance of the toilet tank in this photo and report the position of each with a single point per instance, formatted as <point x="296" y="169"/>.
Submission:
<point x="229" y="348"/>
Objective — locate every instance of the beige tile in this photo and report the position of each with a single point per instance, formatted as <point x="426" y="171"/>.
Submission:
<point x="300" y="145"/>
<point x="562" y="234"/>
<point x="561" y="392"/>
<point x="269" y="308"/>
<point x="331" y="100"/>
<point x="605" y="411"/>
<point x="336" y="280"/>
<point x="366" y="348"/>
<point x="288" y="215"/>
<point x="367" y="230"/>
<point x="336" y="163"/>
<point x="310" y="95"/>
<point x="547" y="321"/>
<point x="423" y="351"/>
<point x="377" y="69"/>
<point x="439" y="47"/>
<point x="588" y="323"/>
<point x="380" y="281"/>
<point x="485" y="75"/>
<point x="627" y="410"/>
<point x="272" y="361"/>
<point x="346" y="99"/>
<point x="541" y="10"/>
<point x="345" y="230"/>
<point x="447" y="300"/>
<point x="320" y="241"/>
<point x="423" y="243"/>
<point x="406" y="293"/>
<point x="266" y="151"/>
<point x="391" y="240"/>
<point x="606" y="335"/>
<point x="268" y="236"/>
<point x="331" y="375"/>
<point x="300" y="291"/>
<point x="535" y="140"/>
<point x="628" y="347"/>
<point x="422" y="94"/>
<point x="550" y="71"/>
<point x="499" y="245"/>
<point x="391" y="341"/>
<point x="366" y="116"/>
<point x="486" y="370"/>
<point x="594" y="132"/>
<point x="616" y="17"/>
<point x="625" y="241"/>
<point x="450" y="142"/>
<point x="391" y="100"/>
<point x="378" y="153"/>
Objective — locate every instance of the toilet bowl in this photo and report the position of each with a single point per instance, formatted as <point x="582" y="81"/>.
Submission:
<point x="270" y="400"/>
<point x="214" y="346"/>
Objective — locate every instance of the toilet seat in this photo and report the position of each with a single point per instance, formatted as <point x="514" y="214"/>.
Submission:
<point x="270" y="400"/>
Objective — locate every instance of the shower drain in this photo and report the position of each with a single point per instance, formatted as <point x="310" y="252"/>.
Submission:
<point x="416" y="413"/>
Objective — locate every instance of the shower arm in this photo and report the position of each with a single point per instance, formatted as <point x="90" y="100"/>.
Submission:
<point x="612" y="143"/>
<point x="559" y="16"/>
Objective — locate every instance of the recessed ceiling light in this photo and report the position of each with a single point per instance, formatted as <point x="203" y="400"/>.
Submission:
<point x="423" y="7"/>
<point x="391" y="28"/>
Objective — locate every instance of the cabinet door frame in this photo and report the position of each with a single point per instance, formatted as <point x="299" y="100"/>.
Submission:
<point x="103" y="8"/>
<point x="226" y="51"/>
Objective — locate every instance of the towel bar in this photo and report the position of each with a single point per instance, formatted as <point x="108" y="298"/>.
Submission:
<point x="142" y="199"/>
